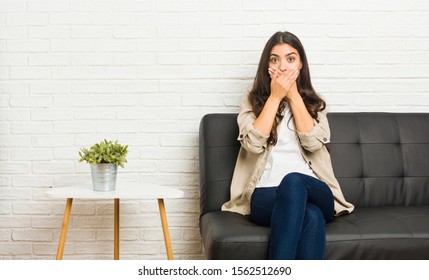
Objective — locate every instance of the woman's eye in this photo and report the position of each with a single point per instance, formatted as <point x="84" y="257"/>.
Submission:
<point x="291" y="59"/>
<point x="274" y="60"/>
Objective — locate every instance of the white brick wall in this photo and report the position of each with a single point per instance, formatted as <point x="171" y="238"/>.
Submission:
<point x="73" y="72"/>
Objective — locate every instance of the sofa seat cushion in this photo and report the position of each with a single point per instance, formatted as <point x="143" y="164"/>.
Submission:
<point x="232" y="236"/>
<point x="380" y="233"/>
<point x="368" y="233"/>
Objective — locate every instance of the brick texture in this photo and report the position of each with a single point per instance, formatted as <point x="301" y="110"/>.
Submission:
<point x="75" y="72"/>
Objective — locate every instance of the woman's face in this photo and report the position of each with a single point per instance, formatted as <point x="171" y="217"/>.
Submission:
<point x="284" y="58"/>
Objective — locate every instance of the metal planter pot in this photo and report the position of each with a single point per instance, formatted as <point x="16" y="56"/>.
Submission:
<point x="104" y="177"/>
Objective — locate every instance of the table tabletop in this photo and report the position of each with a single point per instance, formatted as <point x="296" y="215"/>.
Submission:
<point x="123" y="191"/>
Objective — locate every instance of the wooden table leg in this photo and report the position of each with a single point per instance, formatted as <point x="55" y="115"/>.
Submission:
<point x="116" y="230"/>
<point x="64" y="229"/>
<point x="167" y="240"/>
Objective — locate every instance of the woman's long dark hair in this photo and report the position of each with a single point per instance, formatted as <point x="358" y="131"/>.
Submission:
<point x="260" y="91"/>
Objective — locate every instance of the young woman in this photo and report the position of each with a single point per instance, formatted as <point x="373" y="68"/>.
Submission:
<point x="283" y="175"/>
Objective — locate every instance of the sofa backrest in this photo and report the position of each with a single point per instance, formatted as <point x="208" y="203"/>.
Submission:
<point x="379" y="159"/>
<point x="218" y="150"/>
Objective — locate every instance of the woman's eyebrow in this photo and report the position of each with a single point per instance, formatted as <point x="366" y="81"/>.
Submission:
<point x="273" y="54"/>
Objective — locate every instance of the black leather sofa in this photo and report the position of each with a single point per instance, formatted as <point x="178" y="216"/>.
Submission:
<point x="381" y="161"/>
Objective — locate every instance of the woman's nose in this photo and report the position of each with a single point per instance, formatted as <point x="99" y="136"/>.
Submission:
<point x="283" y="65"/>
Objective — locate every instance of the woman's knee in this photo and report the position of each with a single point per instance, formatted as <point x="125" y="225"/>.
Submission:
<point x="292" y="177"/>
<point x="292" y="182"/>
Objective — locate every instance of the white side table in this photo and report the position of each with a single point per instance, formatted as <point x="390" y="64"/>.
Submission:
<point x="131" y="191"/>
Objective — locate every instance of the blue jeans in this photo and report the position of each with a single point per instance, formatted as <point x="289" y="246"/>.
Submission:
<point x="297" y="211"/>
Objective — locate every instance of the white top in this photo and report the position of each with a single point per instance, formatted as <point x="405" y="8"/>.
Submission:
<point x="285" y="156"/>
<point x="128" y="191"/>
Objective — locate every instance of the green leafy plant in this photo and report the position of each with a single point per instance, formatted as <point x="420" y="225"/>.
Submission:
<point x="105" y="152"/>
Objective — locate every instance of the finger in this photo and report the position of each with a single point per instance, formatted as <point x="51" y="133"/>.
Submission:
<point x="288" y="79"/>
<point x="294" y="74"/>
<point x="274" y="73"/>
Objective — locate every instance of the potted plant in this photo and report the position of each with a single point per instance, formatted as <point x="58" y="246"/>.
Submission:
<point x="104" y="158"/>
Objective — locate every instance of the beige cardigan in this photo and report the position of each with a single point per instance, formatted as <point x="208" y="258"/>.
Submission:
<point x="255" y="151"/>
